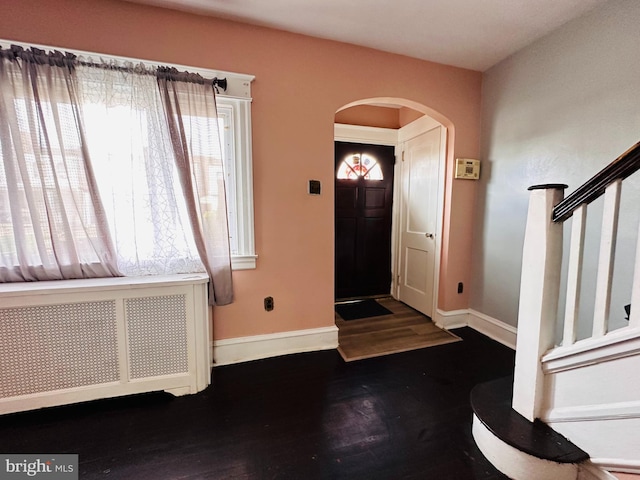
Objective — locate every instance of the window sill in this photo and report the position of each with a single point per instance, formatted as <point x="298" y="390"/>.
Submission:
<point x="239" y="262"/>
<point x="243" y="262"/>
<point x="56" y="287"/>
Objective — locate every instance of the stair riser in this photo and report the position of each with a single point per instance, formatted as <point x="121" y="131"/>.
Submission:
<point x="516" y="464"/>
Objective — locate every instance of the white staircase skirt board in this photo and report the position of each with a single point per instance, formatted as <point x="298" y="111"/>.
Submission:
<point x="612" y="444"/>
<point x="593" y="398"/>
<point x="517" y="464"/>
<point x="624" y="342"/>
<point x="609" y="383"/>
<point x="244" y="349"/>
<point x="605" y="382"/>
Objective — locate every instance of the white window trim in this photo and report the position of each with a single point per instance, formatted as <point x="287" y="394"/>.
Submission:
<point x="238" y="96"/>
<point x="246" y="257"/>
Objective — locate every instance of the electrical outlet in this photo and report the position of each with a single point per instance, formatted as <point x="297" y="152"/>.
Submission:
<point x="268" y="304"/>
<point x="460" y="287"/>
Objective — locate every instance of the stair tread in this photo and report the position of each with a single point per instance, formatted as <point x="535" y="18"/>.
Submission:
<point x="491" y="402"/>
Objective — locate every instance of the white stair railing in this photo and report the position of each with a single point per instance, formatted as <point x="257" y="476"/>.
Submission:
<point x="539" y="292"/>
<point x="541" y="272"/>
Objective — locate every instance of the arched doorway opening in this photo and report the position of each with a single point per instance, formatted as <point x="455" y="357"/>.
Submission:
<point x="420" y="138"/>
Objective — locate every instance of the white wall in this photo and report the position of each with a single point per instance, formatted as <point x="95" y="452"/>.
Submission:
<point x="557" y="112"/>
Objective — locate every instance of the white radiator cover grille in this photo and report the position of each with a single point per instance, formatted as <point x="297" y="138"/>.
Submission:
<point x="68" y="341"/>
<point x="53" y="347"/>
<point x="157" y="328"/>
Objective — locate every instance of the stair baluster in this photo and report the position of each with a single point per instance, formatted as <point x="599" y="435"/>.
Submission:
<point x="574" y="277"/>
<point x="605" y="262"/>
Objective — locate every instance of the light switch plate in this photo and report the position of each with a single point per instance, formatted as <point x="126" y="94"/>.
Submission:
<point x="314" y="187"/>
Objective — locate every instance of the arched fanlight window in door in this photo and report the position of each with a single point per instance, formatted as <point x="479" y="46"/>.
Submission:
<point x="359" y="165"/>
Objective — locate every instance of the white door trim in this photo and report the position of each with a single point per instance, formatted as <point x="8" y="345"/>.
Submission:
<point x="390" y="136"/>
<point x="359" y="134"/>
<point x="417" y="127"/>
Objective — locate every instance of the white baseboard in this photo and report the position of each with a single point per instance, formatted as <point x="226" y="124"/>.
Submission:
<point x="244" y="349"/>
<point x="489" y="326"/>
<point x="493" y="328"/>
<point x="451" y="319"/>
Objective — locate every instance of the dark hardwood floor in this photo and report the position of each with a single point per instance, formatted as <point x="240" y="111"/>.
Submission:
<point x="305" y="416"/>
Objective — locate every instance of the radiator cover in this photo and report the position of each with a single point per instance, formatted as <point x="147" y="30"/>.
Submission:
<point x="69" y="341"/>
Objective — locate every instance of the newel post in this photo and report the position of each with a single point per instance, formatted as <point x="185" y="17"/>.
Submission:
<point x="539" y="291"/>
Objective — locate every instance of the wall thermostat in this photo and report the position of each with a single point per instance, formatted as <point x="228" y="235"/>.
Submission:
<point x="467" y="168"/>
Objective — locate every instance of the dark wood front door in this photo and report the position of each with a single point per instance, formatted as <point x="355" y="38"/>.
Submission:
<point x="363" y="202"/>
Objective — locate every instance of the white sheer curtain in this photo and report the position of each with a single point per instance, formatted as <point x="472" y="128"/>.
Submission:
<point x="156" y="204"/>
<point x="138" y="180"/>
<point x="52" y="224"/>
<point x="190" y="113"/>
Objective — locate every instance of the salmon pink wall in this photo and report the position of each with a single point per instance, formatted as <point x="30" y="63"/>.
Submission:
<point x="300" y="84"/>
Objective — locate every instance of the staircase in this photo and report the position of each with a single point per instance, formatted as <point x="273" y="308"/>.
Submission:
<point x="517" y="447"/>
<point x="575" y="403"/>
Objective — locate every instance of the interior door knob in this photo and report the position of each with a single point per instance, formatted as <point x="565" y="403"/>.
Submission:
<point x="428" y="235"/>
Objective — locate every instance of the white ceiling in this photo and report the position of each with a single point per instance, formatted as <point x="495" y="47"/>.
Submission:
<point x="474" y="34"/>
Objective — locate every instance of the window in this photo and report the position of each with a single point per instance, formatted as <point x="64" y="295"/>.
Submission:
<point x="235" y="136"/>
<point x="360" y="165"/>
<point x="134" y="113"/>
<point x="234" y="125"/>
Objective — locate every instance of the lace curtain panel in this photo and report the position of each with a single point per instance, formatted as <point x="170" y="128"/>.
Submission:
<point x="128" y="139"/>
<point x="189" y="109"/>
<point x="151" y="150"/>
<point x="52" y="224"/>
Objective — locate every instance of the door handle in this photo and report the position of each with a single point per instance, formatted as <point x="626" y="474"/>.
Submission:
<point x="428" y="235"/>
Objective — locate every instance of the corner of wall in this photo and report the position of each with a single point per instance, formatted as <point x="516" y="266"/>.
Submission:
<point x="491" y="327"/>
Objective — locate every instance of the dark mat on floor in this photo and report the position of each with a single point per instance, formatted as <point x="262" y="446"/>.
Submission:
<point x="361" y="309"/>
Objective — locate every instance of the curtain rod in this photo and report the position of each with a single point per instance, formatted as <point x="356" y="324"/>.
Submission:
<point x="164" y="71"/>
<point x="141" y="68"/>
<point x="238" y="84"/>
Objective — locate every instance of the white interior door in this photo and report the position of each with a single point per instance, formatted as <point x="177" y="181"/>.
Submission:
<point x="419" y="226"/>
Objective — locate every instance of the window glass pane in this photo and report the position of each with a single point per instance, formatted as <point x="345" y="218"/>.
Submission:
<point x="360" y="165"/>
<point x="227" y="141"/>
<point x="49" y="181"/>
